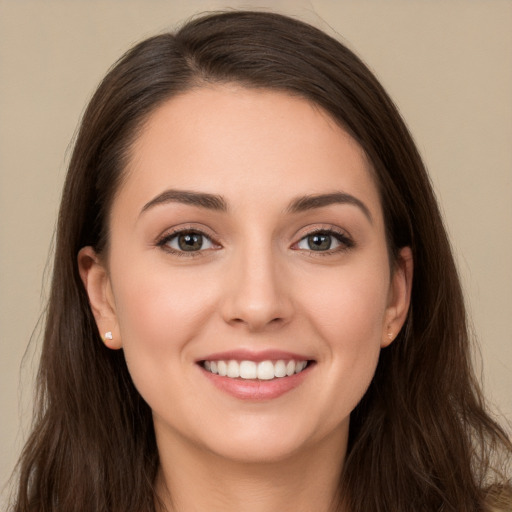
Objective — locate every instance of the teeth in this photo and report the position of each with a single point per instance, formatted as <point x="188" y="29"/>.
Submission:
<point x="264" y="370"/>
<point x="222" y="368"/>
<point x="300" y="366"/>
<point x="233" y="369"/>
<point x="280" y="369"/>
<point x="248" y="370"/>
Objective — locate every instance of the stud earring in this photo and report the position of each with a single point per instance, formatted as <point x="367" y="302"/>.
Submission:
<point x="108" y="335"/>
<point x="390" y="336"/>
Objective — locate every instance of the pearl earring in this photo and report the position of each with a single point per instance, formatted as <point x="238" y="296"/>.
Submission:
<point x="108" y="335"/>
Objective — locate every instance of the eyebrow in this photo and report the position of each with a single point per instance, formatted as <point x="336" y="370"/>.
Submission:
<point x="201" y="199"/>
<point x="311" y="202"/>
<point x="218" y="203"/>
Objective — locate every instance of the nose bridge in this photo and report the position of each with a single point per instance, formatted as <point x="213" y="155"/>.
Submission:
<point x="257" y="297"/>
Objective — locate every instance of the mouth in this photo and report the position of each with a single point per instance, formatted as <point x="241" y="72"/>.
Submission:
<point x="265" y="370"/>
<point x="256" y="376"/>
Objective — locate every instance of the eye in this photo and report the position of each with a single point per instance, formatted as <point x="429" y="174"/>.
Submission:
<point x="187" y="241"/>
<point x="324" y="241"/>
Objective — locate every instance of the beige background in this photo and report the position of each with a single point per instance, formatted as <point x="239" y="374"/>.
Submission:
<point x="447" y="64"/>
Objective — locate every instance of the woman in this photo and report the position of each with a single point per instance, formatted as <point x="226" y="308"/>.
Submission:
<point x="254" y="305"/>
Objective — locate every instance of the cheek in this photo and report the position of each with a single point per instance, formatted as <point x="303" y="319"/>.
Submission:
<point x="159" y="313"/>
<point x="347" y="312"/>
<point x="348" y="306"/>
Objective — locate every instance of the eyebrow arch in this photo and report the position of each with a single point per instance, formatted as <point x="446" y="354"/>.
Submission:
<point x="310" y="202"/>
<point x="202" y="199"/>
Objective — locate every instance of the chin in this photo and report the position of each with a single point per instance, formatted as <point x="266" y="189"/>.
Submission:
<point x="260" y="449"/>
<point x="260" y="441"/>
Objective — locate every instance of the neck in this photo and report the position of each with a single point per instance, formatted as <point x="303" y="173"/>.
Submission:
<point x="192" y="480"/>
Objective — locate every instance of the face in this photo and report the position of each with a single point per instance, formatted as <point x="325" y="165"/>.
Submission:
<point x="247" y="278"/>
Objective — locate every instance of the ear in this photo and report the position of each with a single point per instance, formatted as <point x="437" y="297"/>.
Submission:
<point x="399" y="296"/>
<point x="101" y="299"/>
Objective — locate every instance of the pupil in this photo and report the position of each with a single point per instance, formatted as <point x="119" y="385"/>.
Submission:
<point x="190" y="242"/>
<point x="319" y="242"/>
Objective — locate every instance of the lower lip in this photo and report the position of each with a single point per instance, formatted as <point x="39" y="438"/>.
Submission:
<point x="257" y="390"/>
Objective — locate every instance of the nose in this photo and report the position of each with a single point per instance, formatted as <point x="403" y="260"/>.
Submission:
<point x="257" y="295"/>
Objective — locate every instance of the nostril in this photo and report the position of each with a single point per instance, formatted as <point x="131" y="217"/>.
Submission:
<point x="258" y="323"/>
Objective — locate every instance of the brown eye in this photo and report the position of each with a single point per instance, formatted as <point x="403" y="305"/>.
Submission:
<point x="187" y="241"/>
<point x="319" y="242"/>
<point x="190" y="241"/>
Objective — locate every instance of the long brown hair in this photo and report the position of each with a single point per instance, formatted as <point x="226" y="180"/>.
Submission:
<point x="420" y="439"/>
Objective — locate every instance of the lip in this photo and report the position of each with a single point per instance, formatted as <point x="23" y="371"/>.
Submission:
<point x="254" y="389"/>
<point x="257" y="357"/>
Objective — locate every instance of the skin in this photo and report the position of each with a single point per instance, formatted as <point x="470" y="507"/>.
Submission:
<point x="256" y="286"/>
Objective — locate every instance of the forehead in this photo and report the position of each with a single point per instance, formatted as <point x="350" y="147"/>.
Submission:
<point x="246" y="143"/>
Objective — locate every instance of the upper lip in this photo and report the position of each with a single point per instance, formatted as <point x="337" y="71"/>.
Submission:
<point x="256" y="356"/>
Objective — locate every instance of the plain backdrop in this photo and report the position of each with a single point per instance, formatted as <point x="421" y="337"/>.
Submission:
<point x="446" y="63"/>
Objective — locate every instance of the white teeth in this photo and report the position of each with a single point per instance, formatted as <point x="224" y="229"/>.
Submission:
<point x="300" y="366"/>
<point x="248" y="370"/>
<point x="222" y="368"/>
<point x="264" y="370"/>
<point x="233" y="369"/>
<point x="280" y="369"/>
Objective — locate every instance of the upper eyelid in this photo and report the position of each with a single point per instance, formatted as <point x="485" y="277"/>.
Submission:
<point x="169" y="236"/>
<point x="172" y="232"/>
<point x="335" y="234"/>
<point x="322" y="228"/>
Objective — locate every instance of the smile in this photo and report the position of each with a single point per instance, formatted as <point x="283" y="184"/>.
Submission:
<point x="249" y="370"/>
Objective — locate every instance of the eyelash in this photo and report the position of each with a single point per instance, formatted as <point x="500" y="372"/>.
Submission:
<point x="168" y="237"/>
<point x="346" y="243"/>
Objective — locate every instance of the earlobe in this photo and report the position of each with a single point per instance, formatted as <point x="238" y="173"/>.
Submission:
<point x="96" y="281"/>
<point x="399" y="296"/>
